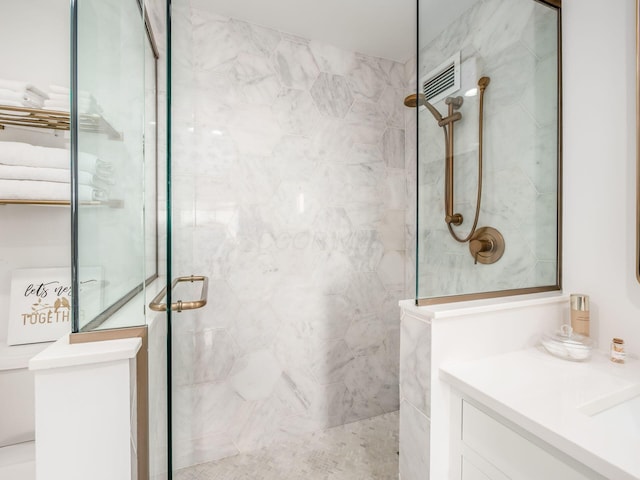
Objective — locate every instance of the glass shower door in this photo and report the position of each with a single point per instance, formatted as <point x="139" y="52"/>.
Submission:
<point x="187" y="282"/>
<point x="287" y="190"/>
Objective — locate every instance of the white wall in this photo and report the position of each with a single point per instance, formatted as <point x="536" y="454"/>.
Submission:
<point x="35" y="36"/>
<point x="599" y="164"/>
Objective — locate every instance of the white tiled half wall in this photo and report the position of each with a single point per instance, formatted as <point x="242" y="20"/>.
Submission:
<point x="289" y="193"/>
<point x="514" y="43"/>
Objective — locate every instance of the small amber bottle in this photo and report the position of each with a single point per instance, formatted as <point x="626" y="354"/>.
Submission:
<point x="617" y="350"/>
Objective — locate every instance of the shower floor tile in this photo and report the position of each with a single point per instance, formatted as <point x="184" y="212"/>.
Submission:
<point x="364" y="450"/>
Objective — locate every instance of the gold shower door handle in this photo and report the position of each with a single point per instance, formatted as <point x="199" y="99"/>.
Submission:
<point x="157" y="305"/>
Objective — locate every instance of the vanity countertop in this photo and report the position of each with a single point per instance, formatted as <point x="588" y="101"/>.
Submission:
<point x="564" y="403"/>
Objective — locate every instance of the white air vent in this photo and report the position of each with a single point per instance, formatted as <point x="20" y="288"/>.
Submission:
<point x="442" y="81"/>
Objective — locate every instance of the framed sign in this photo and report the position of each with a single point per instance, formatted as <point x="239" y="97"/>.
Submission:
<point x="40" y="308"/>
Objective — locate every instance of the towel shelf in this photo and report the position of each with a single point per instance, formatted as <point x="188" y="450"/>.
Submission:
<point x="63" y="203"/>
<point x="54" y="120"/>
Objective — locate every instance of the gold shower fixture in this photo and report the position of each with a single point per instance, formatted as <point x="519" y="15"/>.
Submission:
<point x="414" y="100"/>
<point x="486" y="244"/>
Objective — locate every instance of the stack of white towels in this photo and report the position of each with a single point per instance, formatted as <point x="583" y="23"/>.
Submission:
<point x="59" y="99"/>
<point x="29" y="172"/>
<point x="21" y="94"/>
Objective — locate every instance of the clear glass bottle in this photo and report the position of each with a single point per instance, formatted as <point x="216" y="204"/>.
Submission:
<point x="617" y="350"/>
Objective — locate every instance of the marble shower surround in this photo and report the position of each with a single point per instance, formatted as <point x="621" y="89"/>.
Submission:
<point x="289" y="193"/>
<point x="514" y="42"/>
<point x="415" y="398"/>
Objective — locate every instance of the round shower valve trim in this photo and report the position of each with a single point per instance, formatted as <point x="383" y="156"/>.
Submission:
<point x="486" y="245"/>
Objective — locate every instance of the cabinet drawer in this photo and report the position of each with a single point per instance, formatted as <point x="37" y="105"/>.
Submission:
<point x="509" y="452"/>
<point x="471" y="472"/>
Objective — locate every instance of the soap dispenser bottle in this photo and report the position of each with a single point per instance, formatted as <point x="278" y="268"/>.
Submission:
<point x="580" y="313"/>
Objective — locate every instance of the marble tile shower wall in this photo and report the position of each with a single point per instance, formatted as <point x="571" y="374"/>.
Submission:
<point x="514" y="43"/>
<point x="289" y="193"/>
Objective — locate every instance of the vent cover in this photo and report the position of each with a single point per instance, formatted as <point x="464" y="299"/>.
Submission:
<point x="442" y="81"/>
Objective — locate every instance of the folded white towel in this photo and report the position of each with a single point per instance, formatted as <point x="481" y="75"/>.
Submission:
<point x="32" y="190"/>
<point x="100" y="194"/>
<point x="99" y="184"/>
<point x="19" y="96"/>
<point x="24" y="98"/>
<point x="42" y="174"/>
<point x="30" y="104"/>
<point x="57" y="103"/>
<point x="64" y="106"/>
<point x="6" y="94"/>
<point x="60" y="96"/>
<point x="58" y="90"/>
<point x="61" y="108"/>
<point x="102" y="180"/>
<point x="104" y="170"/>
<point x="26" y="155"/>
<point x="21" y="87"/>
<point x="22" y="95"/>
<point x="65" y="97"/>
<point x="22" y="103"/>
<point x="65" y="101"/>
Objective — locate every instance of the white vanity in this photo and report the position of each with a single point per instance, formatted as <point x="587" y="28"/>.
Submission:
<point x="480" y="400"/>
<point x="528" y="415"/>
<point x="438" y="335"/>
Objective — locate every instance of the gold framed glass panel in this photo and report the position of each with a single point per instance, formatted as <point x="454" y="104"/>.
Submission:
<point x="489" y="151"/>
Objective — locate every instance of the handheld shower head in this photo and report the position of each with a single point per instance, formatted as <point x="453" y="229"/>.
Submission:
<point x="414" y="100"/>
<point x="418" y="100"/>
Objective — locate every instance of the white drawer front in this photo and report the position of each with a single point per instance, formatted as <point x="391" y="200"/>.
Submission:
<point x="509" y="452"/>
<point x="471" y="472"/>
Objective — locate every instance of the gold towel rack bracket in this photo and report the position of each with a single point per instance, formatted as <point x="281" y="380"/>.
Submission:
<point x="158" y="306"/>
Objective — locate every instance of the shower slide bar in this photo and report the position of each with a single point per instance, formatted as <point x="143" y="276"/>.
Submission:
<point x="157" y="306"/>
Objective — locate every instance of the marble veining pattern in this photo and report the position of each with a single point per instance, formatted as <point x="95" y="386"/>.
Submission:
<point x="414" y="443"/>
<point x="289" y="193"/>
<point x="365" y="450"/>
<point x="332" y="95"/>
<point x="415" y="359"/>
